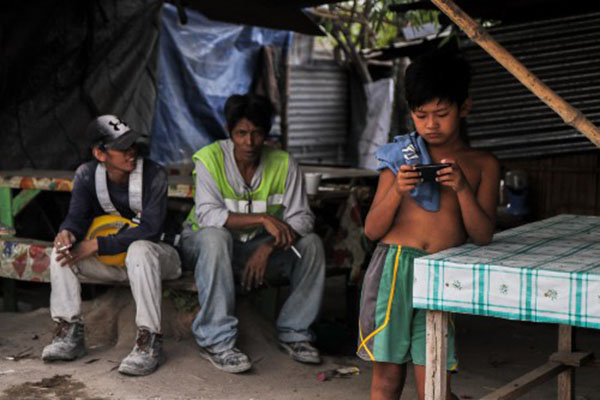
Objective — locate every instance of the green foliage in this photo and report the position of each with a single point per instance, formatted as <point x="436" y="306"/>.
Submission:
<point x="370" y="23"/>
<point x="421" y="17"/>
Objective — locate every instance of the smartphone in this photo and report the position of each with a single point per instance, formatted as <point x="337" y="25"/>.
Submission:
<point x="429" y="171"/>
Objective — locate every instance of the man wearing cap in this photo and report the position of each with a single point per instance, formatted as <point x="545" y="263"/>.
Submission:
<point x="118" y="182"/>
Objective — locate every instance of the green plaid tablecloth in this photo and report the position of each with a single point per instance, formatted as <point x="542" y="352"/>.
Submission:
<point x="546" y="271"/>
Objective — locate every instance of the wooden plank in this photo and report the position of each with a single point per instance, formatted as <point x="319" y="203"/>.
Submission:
<point x="62" y="181"/>
<point x="572" y="359"/>
<point x="437" y="342"/>
<point x="9" y="287"/>
<point x="525" y="383"/>
<point x="21" y="200"/>
<point x="6" y="216"/>
<point x="566" y="380"/>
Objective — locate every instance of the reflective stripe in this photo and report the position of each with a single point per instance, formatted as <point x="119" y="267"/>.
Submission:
<point x="135" y="189"/>
<point x="102" y="191"/>
<point x="275" y="199"/>
<point x="241" y="206"/>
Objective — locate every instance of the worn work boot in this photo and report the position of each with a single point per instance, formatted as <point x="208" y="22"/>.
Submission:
<point x="68" y="342"/>
<point x="303" y="352"/>
<point x="145" y="356"/>
<point x="231" y="360"/>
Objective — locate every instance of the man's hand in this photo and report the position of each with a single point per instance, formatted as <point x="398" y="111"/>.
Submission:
<point x="407" y="179"/>
<point x="452" y="176"/>
<point x="85" y="249"/>
<point x="64" y="239"/>
<point x="282" y="232"/>
<point x="254" y="271"/>
<point x="63" y="243"/>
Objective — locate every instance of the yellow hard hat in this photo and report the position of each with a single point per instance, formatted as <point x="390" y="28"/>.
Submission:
<point x="105" y="225"/>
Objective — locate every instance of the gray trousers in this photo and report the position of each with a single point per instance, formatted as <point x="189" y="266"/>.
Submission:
<point x="147" y="263"/>
<point x="214" y="254"/>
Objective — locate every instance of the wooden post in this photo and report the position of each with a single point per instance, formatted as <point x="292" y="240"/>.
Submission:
<point x="435" y="368"/>
<point x="9" y="287"/>
<point x="477" y="33"/>
<point x="566" y="379"/>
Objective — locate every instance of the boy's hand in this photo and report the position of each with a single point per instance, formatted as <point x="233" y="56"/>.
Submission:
<point x="407" y="179"/>
<point x="452" y="176"/>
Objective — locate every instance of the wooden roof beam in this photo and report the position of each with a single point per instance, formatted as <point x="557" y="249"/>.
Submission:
<point x="479" y="35"/>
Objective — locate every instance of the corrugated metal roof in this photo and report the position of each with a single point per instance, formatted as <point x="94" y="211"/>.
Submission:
<point x="510" y="120"/>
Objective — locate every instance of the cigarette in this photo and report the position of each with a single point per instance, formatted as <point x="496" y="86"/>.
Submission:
<point x="295" y="250"/>
<point x="63" y="248"/>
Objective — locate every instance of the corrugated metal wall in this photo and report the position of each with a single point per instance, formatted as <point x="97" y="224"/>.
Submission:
<point x="510" y="120"/>
<point x="318" y="107"/>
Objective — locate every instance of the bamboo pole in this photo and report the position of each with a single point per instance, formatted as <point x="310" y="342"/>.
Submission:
<point x="477" y="33"/>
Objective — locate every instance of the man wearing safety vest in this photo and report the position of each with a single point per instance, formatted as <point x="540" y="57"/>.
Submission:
<point x="251" y="216"/>
<point x="124" y="195"/>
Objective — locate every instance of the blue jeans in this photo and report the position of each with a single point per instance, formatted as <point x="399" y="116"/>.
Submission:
<point x="214" y="254"/>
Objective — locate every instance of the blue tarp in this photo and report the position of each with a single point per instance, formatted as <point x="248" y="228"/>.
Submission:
<point x="200" y="64"/>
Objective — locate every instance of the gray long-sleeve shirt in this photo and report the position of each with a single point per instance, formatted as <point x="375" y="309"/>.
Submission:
<point x="210" y="205"/>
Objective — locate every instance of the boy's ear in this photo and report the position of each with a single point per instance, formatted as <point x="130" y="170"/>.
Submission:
<point x="466" y="107"/>
<point x="99" y="154"/>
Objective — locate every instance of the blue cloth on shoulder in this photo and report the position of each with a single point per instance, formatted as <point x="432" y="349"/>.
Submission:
<point x="410" y="149"/>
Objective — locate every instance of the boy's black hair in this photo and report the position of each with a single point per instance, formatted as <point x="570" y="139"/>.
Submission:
<point x="438" y="75"/>
<point x="256" y="109"/>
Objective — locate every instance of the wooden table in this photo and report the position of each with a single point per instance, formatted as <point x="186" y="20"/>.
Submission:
<point x="547" y="271"/>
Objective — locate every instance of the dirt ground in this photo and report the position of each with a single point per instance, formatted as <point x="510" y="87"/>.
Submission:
<point x="492" y="352"/>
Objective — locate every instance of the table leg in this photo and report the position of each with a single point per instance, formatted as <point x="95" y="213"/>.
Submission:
<point x="566" y="379"/>
<point x="435" y="368"/>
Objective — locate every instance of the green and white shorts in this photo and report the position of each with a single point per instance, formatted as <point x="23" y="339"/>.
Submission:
<point x="390" y="330"/>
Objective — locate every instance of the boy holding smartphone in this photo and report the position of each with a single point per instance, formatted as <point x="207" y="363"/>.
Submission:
<point x="411" y="218"/>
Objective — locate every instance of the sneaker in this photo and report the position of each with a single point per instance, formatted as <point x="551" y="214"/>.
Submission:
<point x="303" y="352"/>
<point x="68" y="343"/>
<point x="232" y="360"/>
<point x="145" y="356"/>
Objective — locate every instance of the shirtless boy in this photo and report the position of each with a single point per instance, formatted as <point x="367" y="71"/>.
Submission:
<point x="411" y="218"/>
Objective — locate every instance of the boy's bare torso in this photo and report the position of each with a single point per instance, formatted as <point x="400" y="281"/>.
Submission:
<point x="435" y="231"/>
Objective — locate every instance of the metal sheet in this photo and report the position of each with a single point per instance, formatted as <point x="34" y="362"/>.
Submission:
<point x="318" y="110"/>
<point x="507" y="118"/>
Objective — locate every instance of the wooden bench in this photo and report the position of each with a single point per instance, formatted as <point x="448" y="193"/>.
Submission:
<point x="29" y="260"/>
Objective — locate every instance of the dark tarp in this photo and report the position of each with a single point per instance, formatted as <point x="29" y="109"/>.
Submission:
<point x="200" y="65"/>
<point x="63" y="62"/>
